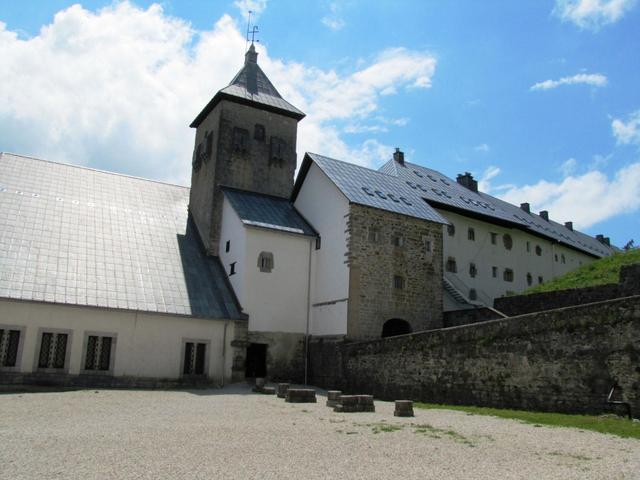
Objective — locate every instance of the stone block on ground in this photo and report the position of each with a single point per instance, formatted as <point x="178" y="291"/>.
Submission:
<point x="282" y="390"/>
<point x="333" y="397"/>
<point x="404" y="408"/>
<point x="355" y="403"/>
<point x="268" y="390"/>
<point x="300" y="395"/>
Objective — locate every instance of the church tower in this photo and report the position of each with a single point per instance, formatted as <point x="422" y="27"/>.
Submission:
<point x="245" y="138"/>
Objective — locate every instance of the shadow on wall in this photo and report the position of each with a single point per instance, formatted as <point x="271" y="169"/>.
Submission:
<point x="394" y="327"/>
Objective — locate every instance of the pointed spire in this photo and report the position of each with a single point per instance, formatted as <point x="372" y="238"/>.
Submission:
<point x="251" y="56"/>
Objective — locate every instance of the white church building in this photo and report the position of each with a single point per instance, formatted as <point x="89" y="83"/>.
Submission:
<point x="107" y="279"/>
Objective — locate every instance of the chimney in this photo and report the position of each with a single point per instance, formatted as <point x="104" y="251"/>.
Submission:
<point x="398" y="156"/>
<point x="467" y="181"/>
<point x="544" y="214"/>
<point x="526" y="207"/>
<point x="600" y="238"/>
<point x="569" y="225"/>
<point x="607" y="241"/>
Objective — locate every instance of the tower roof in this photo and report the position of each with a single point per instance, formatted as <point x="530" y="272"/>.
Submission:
<point x="251" y="86"/>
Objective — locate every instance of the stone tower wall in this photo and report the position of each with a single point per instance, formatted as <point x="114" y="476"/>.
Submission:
<point x="240" y="159"/>
<point x="373" y="299"/>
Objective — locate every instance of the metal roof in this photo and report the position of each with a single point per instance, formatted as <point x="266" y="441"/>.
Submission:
<point x="79" y="236"/>
<point x="371" y="188"/>
<point x="266" y="211"/>
<point x="251" y="86"/>
<point x="443" y="191"/>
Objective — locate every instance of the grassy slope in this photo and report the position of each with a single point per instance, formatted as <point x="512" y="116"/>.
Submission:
<point x="605" y="270"/>
<point x="610" y="424"/>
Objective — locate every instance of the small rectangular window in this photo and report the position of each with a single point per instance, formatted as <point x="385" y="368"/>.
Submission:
<point x="473" y="271"/>
<point x="194" y="358"/>
<point x="427" y="246"/>
<point x="528" y="247"/>
<point x="508" y="275"/>
<point x="318" y="243"/>
<point x="397" y="240"/>
<point x="98" y="356"/>
<point x="494" y="272"/>
<point x="398" y="282"/>
<point x="53" y="350"/>
<point x="232" y="268"/>
<point x="227" y="246"/>
<point x="374" y="235"/>
<point x="494" y="238"/>
<point x="451" y="265"/>
<point x="540" y="280"/>
<point x="471" y="234"/>
<point x="9" y="342"/>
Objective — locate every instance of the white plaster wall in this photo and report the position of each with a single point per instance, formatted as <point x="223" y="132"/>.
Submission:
<point x="147" y="345"/>
<point x="326" y="208"/>
<point x="485" y="255"/>
<point x="233" y="230"/>
<point x="276" y="301"/>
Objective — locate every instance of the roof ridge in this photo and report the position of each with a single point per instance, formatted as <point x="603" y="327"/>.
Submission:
<point x="373" y="170"/>
<point x="257" y="194"/>
<point x="83" y="167"/>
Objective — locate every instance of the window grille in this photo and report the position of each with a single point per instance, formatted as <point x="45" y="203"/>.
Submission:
<point x="53" y="350"/>
<point x="398" y="282"/>
<point x="508" y="275"/>
<point x="451" y="265"/>
<point x="98" y="353"/>
<point x="9" y="341"/>
<point x="265" y="262"/>
<point x="471" y="234"/>
<point x="194" y="358"/>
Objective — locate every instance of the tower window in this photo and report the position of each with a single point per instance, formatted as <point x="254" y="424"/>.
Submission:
<point x="265" y="262"/>
<point x="240" y="140"/>
<point x="427" y="245"/>
<point x="208" y="146"/>
<point x="398" y="282"/>
<point x="259" y="133"/>
<point x="563" y="259"/>
<point x="197" y="158"/>
<point x="451" y="265"/>
<point x="278" y="149"/>
<point x="471" y="234"/>
<point x="528" y="247"/>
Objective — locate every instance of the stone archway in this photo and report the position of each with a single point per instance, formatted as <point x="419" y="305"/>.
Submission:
<point x="395" y="326"/>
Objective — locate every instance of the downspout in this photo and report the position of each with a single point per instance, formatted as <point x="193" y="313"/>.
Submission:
<point x="306" y="334"/>
<point x="224" y="350"/>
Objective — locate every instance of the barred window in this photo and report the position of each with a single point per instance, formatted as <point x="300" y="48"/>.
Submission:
<point x="471" y="234"/>
<point x="397" y="240"/>
<point x="508" y="275"/>
<point x="240" y="140"/>
<point x="53" y="350"/>
<point x="398" y="282"/>
<point x="265" y="262"/>
<point x="9" y="342"/>
<point x="451" y="265"/>
<point x="98" y="355"/>
<point x="194" y="358"/>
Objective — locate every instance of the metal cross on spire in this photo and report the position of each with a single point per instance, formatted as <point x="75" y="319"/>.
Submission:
<point x="251" y="31"/>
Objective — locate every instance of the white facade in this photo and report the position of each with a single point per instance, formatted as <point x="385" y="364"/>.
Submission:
<point x="491" y="258"/>
<point x="144" y="345"/>
<point x="275" y="300"/>
<point x="326" y="209"/>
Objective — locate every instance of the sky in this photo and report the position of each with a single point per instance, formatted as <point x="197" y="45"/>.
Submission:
<point x="539" y="99"/>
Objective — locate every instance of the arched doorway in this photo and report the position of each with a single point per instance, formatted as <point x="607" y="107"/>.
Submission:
<point x="395" y="326"/>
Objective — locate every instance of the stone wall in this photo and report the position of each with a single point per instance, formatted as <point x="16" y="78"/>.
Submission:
<point x="456" y="318"/>
<point x="628" y="285"/>
<point x="562" y="360"/>
<point x="285" y="355"/>
<point x="373" y="298"/>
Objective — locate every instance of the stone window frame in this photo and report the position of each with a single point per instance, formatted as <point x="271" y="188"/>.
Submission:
<point x="508" y="275"/>
<point x="397" y="240"/>
<point x="471" y="234"/>
<point x="507" y="241"/>
<point x="67" y="357"/>
<point x="451" y="265"/>
<point x="374" y="235"/>
<point x="399" y="282"/>
<point x="207" y="356"/>
<point x="112" y="356"/>
<point x="426" y="242"/>
<point x="22" y="329"/>
<point x="259" y="132"/>
<point x="265" y="262"/>
<point x="473" y="270"/>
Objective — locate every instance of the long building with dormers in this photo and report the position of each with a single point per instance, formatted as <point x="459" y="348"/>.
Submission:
<point x="107" y="279"/>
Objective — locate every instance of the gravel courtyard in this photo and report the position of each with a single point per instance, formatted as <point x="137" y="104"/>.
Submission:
<point x="234" y="434"/>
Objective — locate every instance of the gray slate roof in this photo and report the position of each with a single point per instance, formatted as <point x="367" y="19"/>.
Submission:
<point x="266" y="211"/>
<point x="79" y="236"/>
<point x="371" y="188"/>
<point x="251" y="86"/>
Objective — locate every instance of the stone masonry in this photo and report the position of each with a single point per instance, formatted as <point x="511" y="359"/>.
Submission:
<point x="242" y="155"/>
<point x="375" y="258"/>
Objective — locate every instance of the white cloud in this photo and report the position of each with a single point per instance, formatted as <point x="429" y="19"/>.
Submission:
<point x="568" y="167"/>
<point x="584" y="199"/>
<point x="484" y="183"/>
<point x="116" y="89"/>
<point x="629" y="132"/>
<point x="593" y="79"/>
<point x="256" y="7"/>
<point x="333" y="20"/>
<point x="483" y="147"/>
<point x="592" y="14"/>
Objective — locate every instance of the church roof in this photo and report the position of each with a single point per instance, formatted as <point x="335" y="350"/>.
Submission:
<point x="73" y="235"/>
<point x="266" y="211"/>
<point x="251" y="86"/>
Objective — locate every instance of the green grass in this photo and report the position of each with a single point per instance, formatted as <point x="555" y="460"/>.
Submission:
<point x="605" y="270"/>
<point x="610" y="424"/>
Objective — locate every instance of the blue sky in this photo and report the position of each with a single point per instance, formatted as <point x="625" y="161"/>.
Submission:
<point x="539" y="99"/>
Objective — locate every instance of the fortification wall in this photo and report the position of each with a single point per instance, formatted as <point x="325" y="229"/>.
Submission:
<point x="518" y="305"/>
<point x="563" y="360"/>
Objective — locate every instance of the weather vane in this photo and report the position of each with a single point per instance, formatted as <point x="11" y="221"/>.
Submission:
<point x="251" y="31"/>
